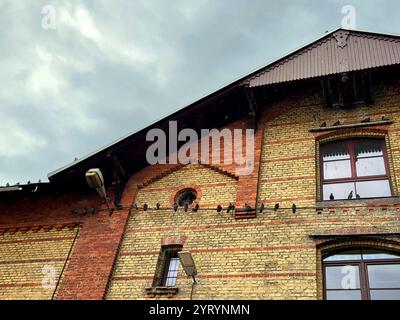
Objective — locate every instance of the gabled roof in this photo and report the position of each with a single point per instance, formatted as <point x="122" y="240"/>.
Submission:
<point x="336" y="52"/>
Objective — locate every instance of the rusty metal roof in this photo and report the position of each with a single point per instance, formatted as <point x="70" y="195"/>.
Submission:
<point x="336" y="52"/>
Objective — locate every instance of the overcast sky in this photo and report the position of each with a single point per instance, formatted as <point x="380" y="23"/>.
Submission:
<point x="112" y="67"/>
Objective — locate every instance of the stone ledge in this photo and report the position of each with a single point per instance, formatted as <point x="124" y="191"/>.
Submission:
<point x="353" y="125"/>
<point x="369" y="202"/>
<point x="168" y="291"/>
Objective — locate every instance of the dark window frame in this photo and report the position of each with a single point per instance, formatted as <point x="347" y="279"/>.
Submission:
<point x="363" y="272"/>
<point x="166" y="255"/>
<point x="185" y="193"/>
<point x="353" y="179"/>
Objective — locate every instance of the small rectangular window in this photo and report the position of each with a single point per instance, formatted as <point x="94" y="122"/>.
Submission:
<point x="167" y="267"/>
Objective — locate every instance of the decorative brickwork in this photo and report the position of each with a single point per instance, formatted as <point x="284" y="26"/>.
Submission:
<point x="30" y="261"/>
<point x="270" y="256"/>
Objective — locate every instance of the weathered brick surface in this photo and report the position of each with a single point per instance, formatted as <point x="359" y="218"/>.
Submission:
<point x="27" y="260"/>
<point x="87" y="272"/>
<point x="271" y="256"/>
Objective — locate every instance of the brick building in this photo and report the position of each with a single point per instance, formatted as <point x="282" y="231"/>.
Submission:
<point x="323" y="195"/>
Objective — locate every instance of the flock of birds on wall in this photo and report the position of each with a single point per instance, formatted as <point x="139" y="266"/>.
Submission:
<point x="338" y="123"/>
<point x="230" y="208"/>
<point x="219" y="209"/>
<point x="350" y="196"/>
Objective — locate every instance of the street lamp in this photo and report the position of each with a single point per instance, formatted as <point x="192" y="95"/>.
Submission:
<point x="188" y="264"/>
<point x="95" y="180"/>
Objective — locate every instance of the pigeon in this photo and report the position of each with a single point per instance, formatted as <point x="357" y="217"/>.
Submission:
<point x="331" y="197"/>
<point x="175" y="206"/>
<point x="196" y="208"/>
<point x="186" y="206"/>
<point x="323" y="124"/>
<point x="294" y="208"/>
<point x="350" y="196"/>
<point x="247" y="207"/>
<point x="158" y="206"/>
<point x="219" y="208"/>
<point x="358" y="196"/>
<point x="276" y="206"/>
<point x="262" y="207"/>
<point x="145" y="207"/>
<point x="337" y="123"/>
<point x="366" y="120"/>
<point x="385" y="118"/>
<point x="231" y="207"/>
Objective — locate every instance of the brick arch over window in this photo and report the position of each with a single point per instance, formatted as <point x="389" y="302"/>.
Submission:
<point x="354" y="133"/>
<point x="331" y="246"/>
<point x="212" y="187"/>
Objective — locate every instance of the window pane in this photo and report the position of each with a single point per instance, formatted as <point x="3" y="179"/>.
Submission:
<point x="342" y="277"/>
<point x="370" y="167"/>
<point x="345" y="255"/>
<point x="368" y="148"/>
<point x="385" y="294"/>
<point x="343" y="295"/>
<point x="384" y="276"/>
<point x="339" y="190"/>
<point x="337" y="169"/>
<point x="377" y="188"/>
<point x="172" y="272"/>
<point x="170" y="282"/>
<point x="335" y="151"/>
<point x="372" y="254"/>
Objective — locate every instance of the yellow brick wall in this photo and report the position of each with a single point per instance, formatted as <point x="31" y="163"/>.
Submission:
<point x="287" y="137"/>
<point x="271" y="256"/>
<point x="27" y="258"/>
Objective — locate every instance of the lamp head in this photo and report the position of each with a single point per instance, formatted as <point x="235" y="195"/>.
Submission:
<point x="187" y="263"/>
<point x="95" y="180"/>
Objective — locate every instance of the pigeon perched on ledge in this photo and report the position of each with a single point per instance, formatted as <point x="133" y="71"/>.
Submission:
<point x="350" y="196"/>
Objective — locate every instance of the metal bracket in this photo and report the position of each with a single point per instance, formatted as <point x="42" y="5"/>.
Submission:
<point x="119" y="180"/>
<point x="253" y="107"/>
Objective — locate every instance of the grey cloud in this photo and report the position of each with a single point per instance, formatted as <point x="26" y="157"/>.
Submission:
<point x="110" y="67"/>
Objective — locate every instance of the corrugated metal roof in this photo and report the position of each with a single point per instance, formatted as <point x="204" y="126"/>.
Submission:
<point x="337" y="52"/>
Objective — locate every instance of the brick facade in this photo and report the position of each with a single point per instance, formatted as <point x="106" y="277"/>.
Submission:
<point x="274" y="255"/>
<point x="268" y="255"/>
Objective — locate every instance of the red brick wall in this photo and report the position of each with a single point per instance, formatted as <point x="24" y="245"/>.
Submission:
<point x="90" y="265"/>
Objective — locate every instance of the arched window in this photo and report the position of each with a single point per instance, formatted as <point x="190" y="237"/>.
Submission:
<point x="354" y="168"/>
<point x="362" y="274"/>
